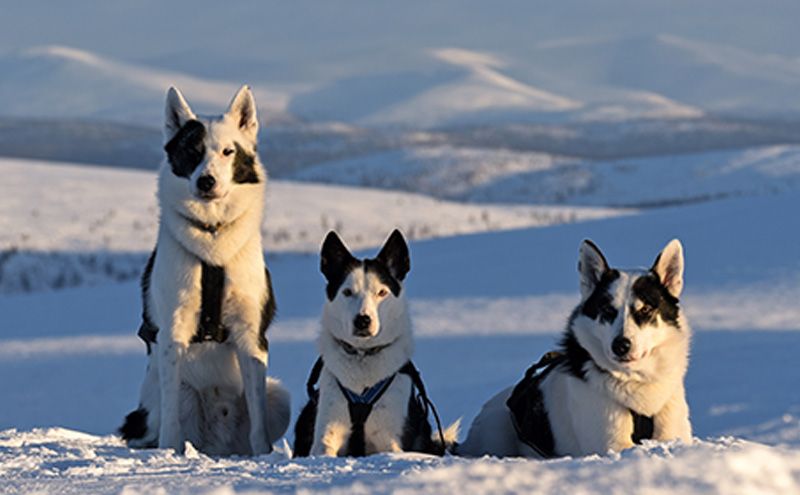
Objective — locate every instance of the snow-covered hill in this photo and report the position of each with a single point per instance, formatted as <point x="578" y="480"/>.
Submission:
<point x="59" y="82"/>
<point x="501" y="176"/>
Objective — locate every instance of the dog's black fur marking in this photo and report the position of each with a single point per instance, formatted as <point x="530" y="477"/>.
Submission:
<point x="597" y="305"/>
<point x="390" y="266"/>
<point x="135" y="425"/>
<point x="268" y="311"/>
<point x="244" y="167"/>
<point x="336" y="263"/>
<point x="148" y="330"/>
<point x="186" y="150"/>
<point x="417" y="429"/>
<point x="652" y="292"/>
<point x="379" y="268"/>
<point x="304" y="430"/>
<point x="576" y="356"/>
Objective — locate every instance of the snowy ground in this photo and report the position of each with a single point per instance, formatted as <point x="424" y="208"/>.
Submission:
<point x="485" y="306"/>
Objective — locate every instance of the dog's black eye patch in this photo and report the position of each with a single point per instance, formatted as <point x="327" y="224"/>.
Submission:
<point x="653" y="294"/>
<point x="598" y="304"/>
<point x="337" y="276"/>
<point x="185" y="151"/>
<point x="244" y="167"/>
<point x="383" y="274"/>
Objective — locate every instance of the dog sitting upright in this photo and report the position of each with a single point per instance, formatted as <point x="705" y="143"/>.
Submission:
<point x="617" y="378"/>
<point x="207" y="294"/>
<point x="366" y="403"/>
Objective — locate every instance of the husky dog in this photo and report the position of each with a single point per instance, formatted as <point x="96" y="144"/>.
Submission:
<point x="365" y="403"/>
<point x="207" y="293"/>
<point x="617" y="378"/>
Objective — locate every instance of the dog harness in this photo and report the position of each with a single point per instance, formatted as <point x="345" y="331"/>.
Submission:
<point x="210" y="327"/>
<point x="360" y="405"/>
<point x="529" y="415"/>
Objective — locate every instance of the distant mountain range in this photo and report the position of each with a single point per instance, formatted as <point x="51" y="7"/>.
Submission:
<point x="607" y="79"/>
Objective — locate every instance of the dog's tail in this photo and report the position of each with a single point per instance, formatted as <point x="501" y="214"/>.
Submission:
<point x="449" y="435"/>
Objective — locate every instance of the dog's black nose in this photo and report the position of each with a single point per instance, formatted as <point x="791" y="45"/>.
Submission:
<point x="621" y="345"/>
<point x="361" y="322"/>
<point x="205" y="183"/>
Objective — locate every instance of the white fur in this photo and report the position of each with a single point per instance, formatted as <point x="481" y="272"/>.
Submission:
<point x="186" y="381"/>
<point x="592" y="416"/>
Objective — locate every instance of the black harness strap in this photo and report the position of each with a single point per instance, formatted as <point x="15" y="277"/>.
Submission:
<point x="422" y="397"/>
<point x="210" y="327"/>
<point x="528" y="413"/>
<point x="529" y="416"/>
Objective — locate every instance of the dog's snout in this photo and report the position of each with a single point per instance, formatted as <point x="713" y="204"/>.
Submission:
<point x="205" y="183"/>
<point x="361" y="324"/>
<point x="621" y="345"/>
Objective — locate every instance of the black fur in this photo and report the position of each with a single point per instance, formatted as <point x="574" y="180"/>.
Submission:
<point x="135" y="425"/>
<point x="417" y="429"/>
<point x="654" y="295"/>
<point x="186" y="150"/>
<point x="336" y="263"/>
<point x="148" y="330"/>
<point x="390" y="266"/>
<point x="598" y="304"/>
<point x="304" y="430"/>
<point x="576" y="356"/>
<point x="267" y="313"/>
<point x="244" y="167"/>
<point x="379" y="268"/>
<point x="394" y="255"/>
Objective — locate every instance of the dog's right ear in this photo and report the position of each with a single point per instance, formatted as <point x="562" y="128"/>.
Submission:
<point x="335" y="257"/>
<point x="176" y="113"/>
<point x="591" y="267"/>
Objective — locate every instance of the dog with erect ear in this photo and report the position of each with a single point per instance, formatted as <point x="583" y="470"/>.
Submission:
<point x="207" y="294"/>
<point x="617" y="377"/>
<point x="365" y="395"/>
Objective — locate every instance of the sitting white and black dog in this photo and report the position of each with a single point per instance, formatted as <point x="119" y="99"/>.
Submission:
<point x="207" y="293"/>
<point x="370" y="398"/>
<point x="617" y="378"/>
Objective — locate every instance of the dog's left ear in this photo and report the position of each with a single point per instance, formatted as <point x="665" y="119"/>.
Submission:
<point x="242" y="111"/>
<point x="669" y="267"/>
<point x="394" y="255"/>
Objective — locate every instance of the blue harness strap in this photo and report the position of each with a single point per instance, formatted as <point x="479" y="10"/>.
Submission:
<point x="360" y="406"/>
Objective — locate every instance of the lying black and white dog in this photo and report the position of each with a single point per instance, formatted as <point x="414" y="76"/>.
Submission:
<point x="617" y="377"/>
<point x="370" y="397"/>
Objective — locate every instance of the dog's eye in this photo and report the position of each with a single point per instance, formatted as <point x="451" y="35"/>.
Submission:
<point x="347" y="293"/>
<point x="383" y="293"/>
<point x="646" y="310"/>
<point x="227" y="152"/>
